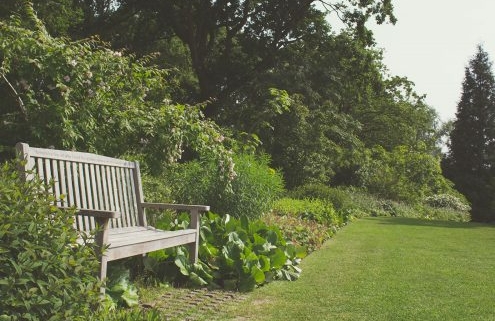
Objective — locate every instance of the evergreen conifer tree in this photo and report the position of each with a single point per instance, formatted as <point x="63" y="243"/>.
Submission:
<point x="471" y="160"/>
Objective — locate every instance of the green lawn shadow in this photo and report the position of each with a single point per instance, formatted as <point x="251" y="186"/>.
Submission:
<point x="431" y="223"/>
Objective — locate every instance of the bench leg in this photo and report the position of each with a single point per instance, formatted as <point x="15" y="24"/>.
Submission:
<point x="103" y="272"/>
<point x="101" y="238"/>
<point x="193" y="247"/>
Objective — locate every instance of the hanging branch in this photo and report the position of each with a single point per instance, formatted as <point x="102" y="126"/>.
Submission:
<point x="22" y="107"/>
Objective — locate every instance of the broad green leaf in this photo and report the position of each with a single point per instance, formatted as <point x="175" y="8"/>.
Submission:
<point x="130" y="296"/>
<point x="258" y="275"/>
<point x="278" y="259"/>
<point x="182" y="265"/>
<point x="197" y="280"/>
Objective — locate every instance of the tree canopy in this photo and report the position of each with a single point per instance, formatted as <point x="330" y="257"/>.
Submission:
<point x="271" y="73"/>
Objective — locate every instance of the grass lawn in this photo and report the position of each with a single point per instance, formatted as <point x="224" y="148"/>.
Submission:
<point x="387" y="269"/>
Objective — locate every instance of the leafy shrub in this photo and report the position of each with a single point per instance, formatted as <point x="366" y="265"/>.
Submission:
<point x="44" y="273"/>
<point x="317" y="210"/>
<point x="301" y="232"/>
<point x="235" y="254"/>
<point x="311" y="191"/>
<point x="337" y="196"/>
<point x="370" y="205"/>
<point x="427" y="212"/>
<point x="82" y="95"/>
<point x="447" y="201"/>
<point x="252" y="192"/>
<point x="403" y="174"/>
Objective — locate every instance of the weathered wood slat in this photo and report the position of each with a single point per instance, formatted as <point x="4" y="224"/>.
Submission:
<point x="89" y="195"/>
<point x="56" y="181"/>
<point x="63" y="184"/>
<point x="129" y="247"/>
<point x="79" y="157"/>
<point x="123" y="197"/>
<point x="131" y="195"/>
<point x="108" y="191"/>
<point x="142" y="235"/>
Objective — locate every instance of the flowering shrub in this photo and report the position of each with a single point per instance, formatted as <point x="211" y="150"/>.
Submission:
<point x="447" y="201"/>
<point x="84" y="96"/>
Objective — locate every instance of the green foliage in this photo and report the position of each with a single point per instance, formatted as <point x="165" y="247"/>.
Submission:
<point x="471" y="159"/>
<point x="310" y="143"/>
<point x="365" y="204"/>
<point x="318" y="210"/>
<point x="442" y="214"/>
<point x="447" y="201"/>
<point x="134" y="314"/>
<point x="44" y="273"/>
<point x="59" y="16"/>
<point x="404" y="174"/>
<point x="397" y="116"/>
<point x="302" y="232"/>
<point x="235" y="254"/>
<point x="311" y="191"/>
<point x="253" y="190"/>
<point x="119" y="288"/>
<point x="337" y="196"/>
<point x="84" y="96"/>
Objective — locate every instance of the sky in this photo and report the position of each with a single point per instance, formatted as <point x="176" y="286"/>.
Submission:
<point x="432" y="42"/>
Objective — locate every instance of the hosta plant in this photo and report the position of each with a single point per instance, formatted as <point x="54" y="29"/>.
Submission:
<point x="235" y="254"/>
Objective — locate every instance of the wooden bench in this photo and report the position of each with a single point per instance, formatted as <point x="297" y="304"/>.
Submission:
<point x="107" y="192"/>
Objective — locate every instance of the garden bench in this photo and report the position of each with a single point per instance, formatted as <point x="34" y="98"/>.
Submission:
<point x="107" y="193"/>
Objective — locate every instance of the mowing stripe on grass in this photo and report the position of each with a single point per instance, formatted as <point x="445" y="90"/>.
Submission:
<point x="388" y="269"/>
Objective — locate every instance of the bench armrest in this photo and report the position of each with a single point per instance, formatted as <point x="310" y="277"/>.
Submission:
<point x="180" y="207"/>
<point x="95" y="213"/>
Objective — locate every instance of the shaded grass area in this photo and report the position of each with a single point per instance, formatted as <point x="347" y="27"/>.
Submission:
<point x="387" y="269"/>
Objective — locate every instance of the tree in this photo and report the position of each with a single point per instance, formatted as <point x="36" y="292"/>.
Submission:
<point x="471" y="159"/>
<point x="229" y="42"/>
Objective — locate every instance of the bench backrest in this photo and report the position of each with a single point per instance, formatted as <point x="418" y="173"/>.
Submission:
<point x="89" y="181"/>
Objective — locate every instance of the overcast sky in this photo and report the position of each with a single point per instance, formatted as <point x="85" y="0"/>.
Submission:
<point x="432" y="43"/>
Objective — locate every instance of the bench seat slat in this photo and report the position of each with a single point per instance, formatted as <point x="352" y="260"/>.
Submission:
<point x="137" y="242"/>
<point x="134" y="235"/>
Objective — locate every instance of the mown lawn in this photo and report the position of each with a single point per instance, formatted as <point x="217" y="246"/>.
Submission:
<point x="387" y="269"/>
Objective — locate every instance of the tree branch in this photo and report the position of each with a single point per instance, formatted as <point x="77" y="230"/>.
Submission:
<point x="22" y="107"/>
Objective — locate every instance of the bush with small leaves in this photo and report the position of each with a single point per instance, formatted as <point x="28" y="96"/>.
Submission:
<point x="252" y="191"/>
<point x="45" y="274"/>
<point x="339" y="197"/>
<point x="317" y="210"/>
